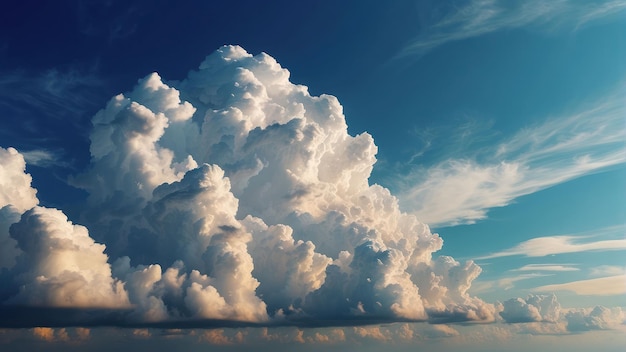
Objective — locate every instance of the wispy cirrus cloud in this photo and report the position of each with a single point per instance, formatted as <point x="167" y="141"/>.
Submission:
<point x="601" y="10"/>
<point x="461" y="191"/>
<point x="52" y="92"/>
<point x="43" y="157"/>
<point x="544" y="246"/>
<point x="479" y="17"/>
<point x="40" y="108"/>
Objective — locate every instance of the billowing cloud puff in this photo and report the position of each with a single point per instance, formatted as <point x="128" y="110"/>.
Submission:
<point x="233" y="196"/>
<point x="597" y="318"/>
<point x="444" y="283"/>
<point x="535" y="308"/>
<point x="15" y="186"/>
<point x="60" y="265"/>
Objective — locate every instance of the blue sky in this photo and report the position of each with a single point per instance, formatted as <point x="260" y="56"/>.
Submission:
<point x="499" y="124"/>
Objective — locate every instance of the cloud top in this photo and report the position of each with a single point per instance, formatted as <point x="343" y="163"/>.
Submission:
<point x="15" y="186"/>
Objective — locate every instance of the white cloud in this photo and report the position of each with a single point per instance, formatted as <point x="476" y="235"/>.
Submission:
<point x="480" y="17"/>
<point x="534" y="308"/>
<point x="459" y="191"/>
<point x="15" y="186"/>
<point x="598" y="318"/>
<point x="16" y="196"/>
<point x="603" y="286"/>
<point x="542" y="314"/>
<point x="60" y="265"/>
<point x="548" y="267"/>
<point x="124" y="138"/>
<point x="233" y="197"/>
<point x="549" y="245"/>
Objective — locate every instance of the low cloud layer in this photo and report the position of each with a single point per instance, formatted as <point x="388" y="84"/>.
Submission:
<point x="231" y="197"/>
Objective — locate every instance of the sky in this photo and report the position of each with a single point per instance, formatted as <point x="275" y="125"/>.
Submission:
<point x="231" y="175"/>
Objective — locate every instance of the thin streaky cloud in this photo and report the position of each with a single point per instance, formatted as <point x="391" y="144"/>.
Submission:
<point x="544" y="246"/>
<point x="461" y="191"/>
<point x="603" y="286"/>
<point x="480" y="17"/>
<point x="43" y="157"/>
<point x="547" y="267"/>
<point x="599" y="124"/>
<point x="607" y="9"/>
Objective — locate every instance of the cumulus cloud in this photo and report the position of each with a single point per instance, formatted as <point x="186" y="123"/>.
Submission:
<point x="542" y="314"/>
<point x="372" y="332"/>
<point x="15" y="186"/>
<point x="63" y="335"/>
<point x="232" y="197"/>
<point x="597" y="318"/>
<point x="535" y="308"/>
<point x="60" y="265"/>
<point x="46" y="334"/>
<point x="218" y="337"/>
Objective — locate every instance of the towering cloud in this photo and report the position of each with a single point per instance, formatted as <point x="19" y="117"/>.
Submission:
<point x="231" y="196"/>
